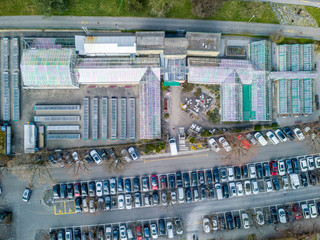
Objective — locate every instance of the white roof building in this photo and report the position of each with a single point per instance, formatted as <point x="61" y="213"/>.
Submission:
<point x="30" y="138"/>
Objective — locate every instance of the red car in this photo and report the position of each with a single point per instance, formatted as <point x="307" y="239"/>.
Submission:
<point x="244" y="142"/>
<point x="77" y="190"/>
<point x="297" y="211"/>
<point x="163" y="181"/>
<point x="274" y="168"/>
<point x="139" y="232"/>
<point x="154" y="182"/>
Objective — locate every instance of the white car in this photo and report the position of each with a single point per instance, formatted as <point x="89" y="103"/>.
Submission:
<point x="146" y="200"/>
<point x="260" y="217"/>
<point x="245" y="220"/>
<point x="69" y="234"/>
<point x="281" y="135"/>
<point x="123" y="232"/>
<point x="128" y="198"/>
<point x="317" y="162"/>
<point x="239" y="188"/>
<point x="282" y="215"/>
<point x="75" y="156"/>
<point x="85" y="205"/>
<point x="313" y="210"/>
<point x="225" y="144"/>
<point x="133" y="153"/>
<point x="170" y="229"/>
<point x="260" y="139"/>
<point x="213" y="143"/>
<point x="233" y="190"/>
<point x="252" y="171"/>
<point x="299" y="134"/>
<point x="255" y="188"/>
<point x="214" y="224"/>
<point x="96" y="157"/>
<point x="305" y="211"/>
<point x="173" y="197"/>
<point x="113" y="186"/>
<point x="121" y="201"/>
<point x="137" y="200"/>
<point x="99" y="189"/>
<point x="108" y="233"/>
<point x="272" y="138"/>
<point x="206" y="225"/>
<point x="252" y="139"/>
<point x="310" y="162"/>
<point x="154" y="231"/>
<point x="268" y="185"/>
<point x="230" y="173"/>
<point x="303" y="164"/>
<point x="247" y="187"/>
<point x="281" y="168"/>
<point x="285" y="182"/>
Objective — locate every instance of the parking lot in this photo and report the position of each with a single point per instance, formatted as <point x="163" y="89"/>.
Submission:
<point x="162" y="228"/>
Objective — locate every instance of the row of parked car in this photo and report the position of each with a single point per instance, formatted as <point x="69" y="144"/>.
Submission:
<point x="94" y="156"/>
<point x="147" y="229"/>
<point x="279" y="135"/>
<point x="261" y="216"/>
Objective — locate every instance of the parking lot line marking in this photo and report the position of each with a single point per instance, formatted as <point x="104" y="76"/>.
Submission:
<point x="165" y="159"/>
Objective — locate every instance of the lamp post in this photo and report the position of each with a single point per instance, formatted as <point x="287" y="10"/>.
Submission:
<point x="251" y="18"/>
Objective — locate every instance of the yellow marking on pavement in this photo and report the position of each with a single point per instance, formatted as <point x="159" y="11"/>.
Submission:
<point x="165" y="159"/>
<point x="304" y="1"/>
<point x="291" y="31"/>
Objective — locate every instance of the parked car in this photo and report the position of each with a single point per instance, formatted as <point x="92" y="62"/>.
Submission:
<point x="299" y="134"/>
<point x="77" y="203"/>
<point x="106" y="187"/>
<point x="317" y="161"/>
<point x="230" y="173"/>
<point x="70" y="190"/>
<point x="273" y="139"/>
<point x="274" y="168"/>
<point x="120" y="184"/>
<point x="274" y="215"/>
<point x="206" y="225"/>
<point x="162" y="227"/>
<point x="245" y="172"/>
<point x="266" y="169"/>
<point x="289" y="166"/>
<point x="269" y="187"/>
<point x="260" y="217"/>
<point x="209" y="177"/>
<point x="255" y="188"/>
<point x="295" y="165"/>
<point x="214" y="221"/>
<point x="186" y="179"/>
<point x="145" y="184"/>
<point x="121" y="201"/>
<point x="213" y="143"/>
<point x="223" y="174"/>
<point x="276" y="184"/>
<point x="107" y="201"/>
<point x="89" y="159"/>
<point x="245" y="220"/>
<point x="134" y="153"/>
<point x="282" y="215"/>
<point x="154" y="182"/>
<point x="26" y="194"/>
<point x="313" y="210"/>
<point x="77" y="190"/>
<point x="137" y="200"/>
<point x="252" y="139"/>
<point x="56" y="191"/>
<point x="75" y="157"/>
<point x="163" y="181"/>
<point x="136" y="184"/>
<point x="247" y="187"/>
<point x="154" y="231"/>
<point x="244" y="142"/>
<point x="305" y="211"/>
<point x="229" y="220"/>
<point x="225" y="144"/>
<point x="297" y="211"/>
<point x="92" y="189"/>
<point x="237" y="172"/>
<point x="96" y="157"/>
<point x="92" y="207"/>
<point x="310" y="162"/>
<point x="233" y="189"/>
<point x="194" y="179"/>
<point x="260" y="139"/>
<point x="63" y="190"/>
<point x="304" y="179"/>
<point x="303" y="164"/>
<point x="312" y="178"/>
<point x="99" y="189"/>
<point x="281" y="168"/>
<point x="201" y="177"/>
<point x="170" y="229"/>
<point x="259" y="170"/>
<point x="281" y="135"/>
<point x="288" y="132"/>
<point x="252" y="171"/>
<point x="113" y="186"/>
<point x="239" y="187"/>
<point x="216" y="175"/>
<point x="172" y="181"/>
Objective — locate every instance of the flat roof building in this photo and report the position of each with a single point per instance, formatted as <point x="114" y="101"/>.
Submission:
<point x="30" y="138"/>
<point x="150" y="43"/>
<point x="203" y="44"/>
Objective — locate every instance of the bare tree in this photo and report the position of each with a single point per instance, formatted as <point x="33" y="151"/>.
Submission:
<point x="4" y="164"/>
<point x="79" y="167"/>
<point x="313" y="136"/>
<point x="238" y="152"/>
<point x="115" y="164"/>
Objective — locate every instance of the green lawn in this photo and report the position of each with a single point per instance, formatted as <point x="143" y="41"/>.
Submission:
<point x="315" y="13"/>
<point x="231" y="10"/>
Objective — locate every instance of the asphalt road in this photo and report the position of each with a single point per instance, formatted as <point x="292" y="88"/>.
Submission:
<point x="43" y="217"/>
<point x="135" y="23"/>
<point x="311" y="3"/>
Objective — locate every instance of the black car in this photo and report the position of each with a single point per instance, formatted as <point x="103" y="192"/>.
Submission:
<point x="203" y="193"/>
<point x="304" y="179"/>
<point x="127" y="185"/>
<point x="120" y="185"/>
<point x="179" y="179"/>
<point x="312" y="178"/>
<point x="237" y="172"/>
<point x="136" y="184"/>
<point x="318" y="206"/>
<point x="274" y="215"/>
<point x="92" y="189"/>
<point x="209" y="176"/>
<point x="146" y="231"/>
<point x="229" y="220"/>
<point x="108" y="202"/>
<point x="259" y="170"/>
<point x="216" y="175"/>
<point x="289" y="166"/>
<point x="223" y="172"/>
<point x="222" y="223"/>
<point x="237" y="221"/>
<point x="115" y="233"/>
<point x="245" y="172"/>
<point x="53" y="235"/>
<point x="186" y="179"/>
<point x="288" y="132"/>
<point x="188" y="195"/>
<point x="172" y="181"/>
<point x="266" y="169"/>
<point x="162" y="227"/>
<point x="295" y="165"/>
<point x="194" y="179"/>
<point x="84" y="189"/>
<point x="276" y="184"/>
<point x="225" y="191"/>
<point x="89" y="159"/>
<point x="103" y="154"/>
<point x="155" y="198"/>
<point x="201" y="177"/>
<point x="267" y="218"/>
<point x="56" y="191"/>
<point x="70" y="190"/>
<point x="211" y="192"/>
<point x="77" y="203"/>
<point x="63" y="190"/>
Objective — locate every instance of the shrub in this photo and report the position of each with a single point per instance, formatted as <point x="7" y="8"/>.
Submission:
<point x="198" y="92"/>
<point x="257" y="128"/>
<point x="166" y="116"/>
<point x="163" y="87"/>
<point x="236" y="130"/>
<point x="206" y="133"/>
<point x="274" y="125"/>
<point x="214" y="116"/>
<point x="192" y="140"/>
<point x="187" y="87"/>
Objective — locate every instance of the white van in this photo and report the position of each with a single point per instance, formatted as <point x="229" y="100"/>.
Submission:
<point x="218" y="191"/>
<point x="181" y="194"/>
<point x="129" y="234"/>
<point x="294" y="179"/>
<point x="173" y="146"/>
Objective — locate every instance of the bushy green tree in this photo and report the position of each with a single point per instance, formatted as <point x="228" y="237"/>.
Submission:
<point x="160" y="8"/>
<point x="206" y="8"/>
<point x="51" y="7"/>
<point x="134" y="5"/>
